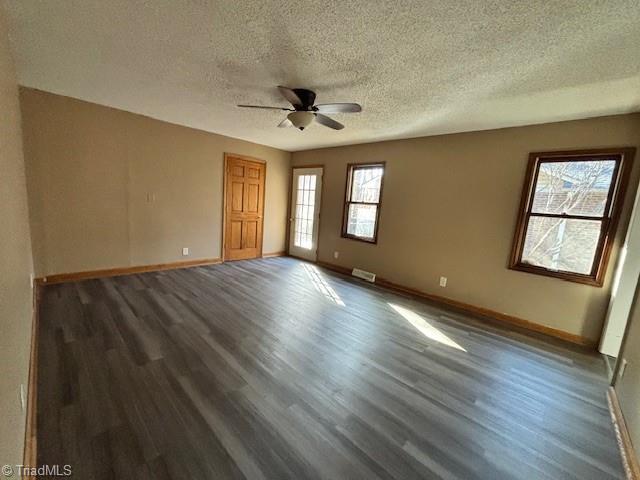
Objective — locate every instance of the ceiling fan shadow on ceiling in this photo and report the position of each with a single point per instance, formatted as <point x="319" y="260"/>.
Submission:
<point x="304" y="112"/>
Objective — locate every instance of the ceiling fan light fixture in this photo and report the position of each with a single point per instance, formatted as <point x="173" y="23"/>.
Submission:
<point x="301" y="120"/>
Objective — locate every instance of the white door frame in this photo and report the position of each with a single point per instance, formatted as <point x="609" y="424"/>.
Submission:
<point x="299" y="247"/>
<point x="624" y="286"/>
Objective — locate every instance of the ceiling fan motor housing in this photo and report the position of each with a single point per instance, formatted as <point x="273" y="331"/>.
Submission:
<point x="307" y="97"/>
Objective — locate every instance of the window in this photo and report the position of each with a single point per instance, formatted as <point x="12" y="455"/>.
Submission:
<point x="362" y="201"/>
<point x="568" y="215"/>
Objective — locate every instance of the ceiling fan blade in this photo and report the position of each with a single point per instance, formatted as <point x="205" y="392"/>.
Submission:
<point x="268" y="108"/>
<point x="338" y="108"/>
<point x="328" y="122"/>
<point x="291" y="96"/>
<point x="285" y="123"/>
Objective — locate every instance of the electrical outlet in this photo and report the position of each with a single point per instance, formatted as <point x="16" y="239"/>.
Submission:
<point x="443" y="281"/>
<point x="32" y="279"/>
<point x="336" y="254"/>
<point x="623" y="367"/>
<point x="185" y="251"/>
<point x="23" y="398"/>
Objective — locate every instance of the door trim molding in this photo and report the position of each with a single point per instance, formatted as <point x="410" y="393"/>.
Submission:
<point x="224" y="199"/>
<point x="244" y="157"/>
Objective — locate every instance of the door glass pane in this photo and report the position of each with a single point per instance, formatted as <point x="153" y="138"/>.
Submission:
<point x="305" y="208"/>
<point x="362" y="220"/>
<point x="561" y="244"/>
<point x="574" y="188"/>
<point x="366" y="184"/>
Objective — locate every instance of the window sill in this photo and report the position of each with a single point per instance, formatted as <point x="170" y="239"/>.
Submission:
<point x="372" y="241"/>
<point x="567" y="276"/>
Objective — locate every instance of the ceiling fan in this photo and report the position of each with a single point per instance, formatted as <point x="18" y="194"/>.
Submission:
<point x="304" y="111"/>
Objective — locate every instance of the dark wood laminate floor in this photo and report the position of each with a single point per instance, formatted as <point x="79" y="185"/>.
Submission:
<point x="275" y="369"/>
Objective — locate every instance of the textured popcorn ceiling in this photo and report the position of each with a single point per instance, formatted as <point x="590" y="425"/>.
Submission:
<point x="418" y="68"/>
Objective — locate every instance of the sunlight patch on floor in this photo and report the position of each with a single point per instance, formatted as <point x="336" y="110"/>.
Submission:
<point x="425" y="327"/>
<point x="321" y="285"/>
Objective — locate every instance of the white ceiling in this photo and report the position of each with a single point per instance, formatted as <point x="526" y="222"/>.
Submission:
<point x="418" y="68"/>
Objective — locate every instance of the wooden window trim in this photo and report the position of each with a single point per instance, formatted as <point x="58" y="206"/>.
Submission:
<point x="613" y="209"/>
<point x="347" y="195"/>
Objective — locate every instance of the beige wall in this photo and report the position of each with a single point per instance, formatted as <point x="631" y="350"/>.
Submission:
<point x="628" y="387"/>
<point x="91" y="169"/>
<point x="16" y="267"/>
<point x="449" y="208"/>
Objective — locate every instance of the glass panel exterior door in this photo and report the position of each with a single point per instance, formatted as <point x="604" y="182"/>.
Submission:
<point x="305" y="212"/>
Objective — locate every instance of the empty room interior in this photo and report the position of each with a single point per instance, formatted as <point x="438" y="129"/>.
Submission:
<point x="320" y="240"/>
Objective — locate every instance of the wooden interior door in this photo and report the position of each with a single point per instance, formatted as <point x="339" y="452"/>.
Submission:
<point x="244" y="207"/>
